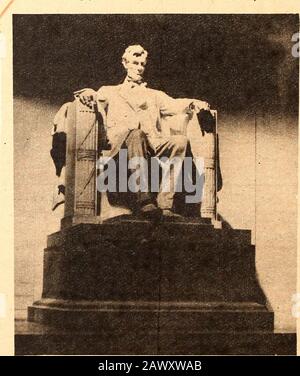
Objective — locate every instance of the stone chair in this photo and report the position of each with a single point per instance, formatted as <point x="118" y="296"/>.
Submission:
<point x="79" y="139"/>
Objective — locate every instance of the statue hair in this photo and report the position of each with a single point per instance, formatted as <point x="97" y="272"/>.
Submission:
<point x="134" y="50"/>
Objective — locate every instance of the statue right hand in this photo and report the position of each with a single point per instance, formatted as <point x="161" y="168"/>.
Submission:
<point x="86" y="96"/>
<point x="198" y="105"/>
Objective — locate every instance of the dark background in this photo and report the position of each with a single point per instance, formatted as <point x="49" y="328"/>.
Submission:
<point x="235" y="62"/>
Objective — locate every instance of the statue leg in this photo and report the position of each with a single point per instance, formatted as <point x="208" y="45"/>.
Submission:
<point x="138" y="147"/>
<point x="174" y="148"/>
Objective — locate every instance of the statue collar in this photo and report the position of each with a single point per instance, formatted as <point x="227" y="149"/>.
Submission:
<point x="131" y="84"/>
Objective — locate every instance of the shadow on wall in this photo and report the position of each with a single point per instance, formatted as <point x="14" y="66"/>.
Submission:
<point x="235" y="62"/>
<point x="34" y="180"/>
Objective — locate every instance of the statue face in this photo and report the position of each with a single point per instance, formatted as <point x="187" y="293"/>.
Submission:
<point x="135" y="67"/>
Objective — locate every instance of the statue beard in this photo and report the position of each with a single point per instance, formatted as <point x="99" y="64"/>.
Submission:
<point x="135" y="77"/>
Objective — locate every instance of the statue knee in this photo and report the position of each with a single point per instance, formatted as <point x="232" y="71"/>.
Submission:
<point x="179" y="142"/>
<point x="136" y="136"/>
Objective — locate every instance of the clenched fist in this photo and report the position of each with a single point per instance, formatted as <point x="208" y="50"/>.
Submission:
<point x="198" y="105"/>
<point x="86" y="96"/>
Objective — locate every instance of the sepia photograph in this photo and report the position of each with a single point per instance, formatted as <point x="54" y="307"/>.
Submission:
<point x="155" y="162"/>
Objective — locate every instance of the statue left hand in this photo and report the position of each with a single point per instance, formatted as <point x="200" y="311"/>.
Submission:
<point x="86" y="96"/>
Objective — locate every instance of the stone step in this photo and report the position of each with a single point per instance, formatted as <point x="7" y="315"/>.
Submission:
<point x="139" y="261"/>
<point x="152" y="282"/>
<point x="192" y="229"/>
<point x="37" y="339"/>
<point x="167" y="317"/>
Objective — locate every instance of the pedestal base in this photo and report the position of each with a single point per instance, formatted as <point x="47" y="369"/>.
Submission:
<point x="152" y="282"/>
<point x="38" y="339"/>
<point x="151" y="317"/>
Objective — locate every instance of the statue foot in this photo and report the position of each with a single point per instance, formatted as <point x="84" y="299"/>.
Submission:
<point x="170" y="213"/>
<point x="150" y="211"/>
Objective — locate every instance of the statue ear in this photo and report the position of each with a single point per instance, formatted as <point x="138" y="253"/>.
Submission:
<point x="124" y="63"/>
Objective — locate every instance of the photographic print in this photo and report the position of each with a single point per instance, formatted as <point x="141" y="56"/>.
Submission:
<point x="155" y="175"/>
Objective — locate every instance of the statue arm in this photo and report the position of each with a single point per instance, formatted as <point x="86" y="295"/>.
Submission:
<point x="102" y="97"/>
<point x="89" y="97"/>
<point x="86" y="96"/>
<point x="172" y="106"/>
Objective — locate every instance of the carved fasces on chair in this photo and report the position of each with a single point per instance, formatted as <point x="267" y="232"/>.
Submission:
<point x="207" y="121"/>
<point x="201" y="131"/>
<point x="82" y="153"/>
<point x="86" y="157"/>
<point x="208" y="206"/>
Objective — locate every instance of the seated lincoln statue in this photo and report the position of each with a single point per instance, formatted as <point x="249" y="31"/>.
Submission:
<point x="147" y="123"/>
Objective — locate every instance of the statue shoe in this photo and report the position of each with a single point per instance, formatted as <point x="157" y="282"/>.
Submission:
<point x="150" y="211"/>
<point x="170" y="213"/>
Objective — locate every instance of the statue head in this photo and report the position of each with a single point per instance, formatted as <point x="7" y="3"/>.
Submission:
<point x="134" y="61"/>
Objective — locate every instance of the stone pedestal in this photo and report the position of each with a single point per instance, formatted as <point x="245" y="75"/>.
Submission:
<point x="135" y="279"/>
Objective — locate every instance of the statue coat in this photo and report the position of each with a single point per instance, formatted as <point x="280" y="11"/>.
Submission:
<point x="130" y="106"/>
